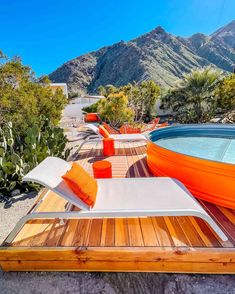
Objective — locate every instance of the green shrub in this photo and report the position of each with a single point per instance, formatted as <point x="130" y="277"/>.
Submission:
<point x="192" y="100"/>
<point x="114" y="109"/>
<point x="23" y="99"/>
<point x="19" y="154"/>
<point x="29" y="112"/>
<point x="142" y="99"/>
<point x="91" y="108"/>
<point x="225" y="93"/>
<point x="73" y="95"/>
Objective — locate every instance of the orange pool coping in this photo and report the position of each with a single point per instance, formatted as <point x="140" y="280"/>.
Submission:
<point x="206" y="179"/>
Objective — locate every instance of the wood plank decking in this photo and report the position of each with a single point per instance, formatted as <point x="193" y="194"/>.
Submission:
<point x="161" y="244"/>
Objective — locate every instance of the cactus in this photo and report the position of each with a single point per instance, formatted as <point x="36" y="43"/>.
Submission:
<point x="19" y="155"/>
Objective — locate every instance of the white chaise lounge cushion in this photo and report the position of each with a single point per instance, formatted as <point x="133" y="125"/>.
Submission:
<point x="128" y="197"/>
<point x="119" y="137"/>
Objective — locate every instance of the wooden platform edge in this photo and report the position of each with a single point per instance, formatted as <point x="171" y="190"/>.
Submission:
<point x="123" y="259"/>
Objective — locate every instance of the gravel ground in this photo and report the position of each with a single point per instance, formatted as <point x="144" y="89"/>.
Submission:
<point x="55" y="283"/>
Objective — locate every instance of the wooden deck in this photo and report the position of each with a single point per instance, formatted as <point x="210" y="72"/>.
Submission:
<point x="159" y="244"/>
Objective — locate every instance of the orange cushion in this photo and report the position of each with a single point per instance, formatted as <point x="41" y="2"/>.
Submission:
<point x="103" y="132"/>
<point x="91" y="117"/>
<point x="110" y="129"/>
<point x="127" y="129"/>
<point x="82" y="184"/>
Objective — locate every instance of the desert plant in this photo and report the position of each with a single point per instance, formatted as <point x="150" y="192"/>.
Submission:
<point x="23" y="99"/>
<point x="192" y="99"/>
<point x="20" y="154"/>
<point x="225" y="94"/>
<point x="107" y="90"/>
<point x="114" y="109"/>
<point x="73" y="95"/>
<point x="92" y="108"/>
<point x="142" y="98"/>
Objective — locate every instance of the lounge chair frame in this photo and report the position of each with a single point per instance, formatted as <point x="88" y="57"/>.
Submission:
<point x="48" y="173"/>
<point x="117" y="137"/>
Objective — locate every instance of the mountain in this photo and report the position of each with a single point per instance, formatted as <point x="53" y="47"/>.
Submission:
<point x="212" y="48"/>
<point x="227" y="34"/>
<point x="156" y="55"/>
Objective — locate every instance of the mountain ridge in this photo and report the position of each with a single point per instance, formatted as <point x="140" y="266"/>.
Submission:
<point x="156" y="55"/>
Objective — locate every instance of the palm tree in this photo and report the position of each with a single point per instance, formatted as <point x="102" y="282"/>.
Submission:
<point x="197" y="86"/>
<point x="192" y="97"/>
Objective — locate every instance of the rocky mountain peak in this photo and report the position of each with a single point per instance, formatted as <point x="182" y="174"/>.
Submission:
<point x="159" y="30"/>
<point x="227" y="34"/>
<point x="156" y="55"/>
<point x="197" y="40"/>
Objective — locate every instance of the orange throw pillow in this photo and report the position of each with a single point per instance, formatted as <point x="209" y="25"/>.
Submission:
<point x="82" y="184"/>
<point x="103" y="132"/>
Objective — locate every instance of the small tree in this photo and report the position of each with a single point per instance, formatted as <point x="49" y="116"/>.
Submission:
<point x="115" y="110"/>
<point x="142" y="97"/>
<point x="225" y="93"/>
<point x="23" y="100"/>
<point x="107" y="90"/>
<point x="29" y="112"/>
<point x="192" y="99"/>
<point x="149" y="93"/>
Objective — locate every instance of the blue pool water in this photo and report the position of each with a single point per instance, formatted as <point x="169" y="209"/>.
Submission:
<point x="213" y="148"/>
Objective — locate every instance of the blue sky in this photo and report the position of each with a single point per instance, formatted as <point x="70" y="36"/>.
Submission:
<point x="47" y="33"/>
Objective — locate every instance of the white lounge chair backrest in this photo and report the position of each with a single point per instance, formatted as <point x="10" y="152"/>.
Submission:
<point x="49" y="174"/>
<point x="93" y="128"/>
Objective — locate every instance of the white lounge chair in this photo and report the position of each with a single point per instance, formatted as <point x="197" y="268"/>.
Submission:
<point x="127" y="197"/>
<point x="117" y="137"/>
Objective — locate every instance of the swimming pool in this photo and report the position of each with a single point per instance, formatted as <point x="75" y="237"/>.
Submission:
<point x="200" y="156"/>
<point x="212" y="148"/>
